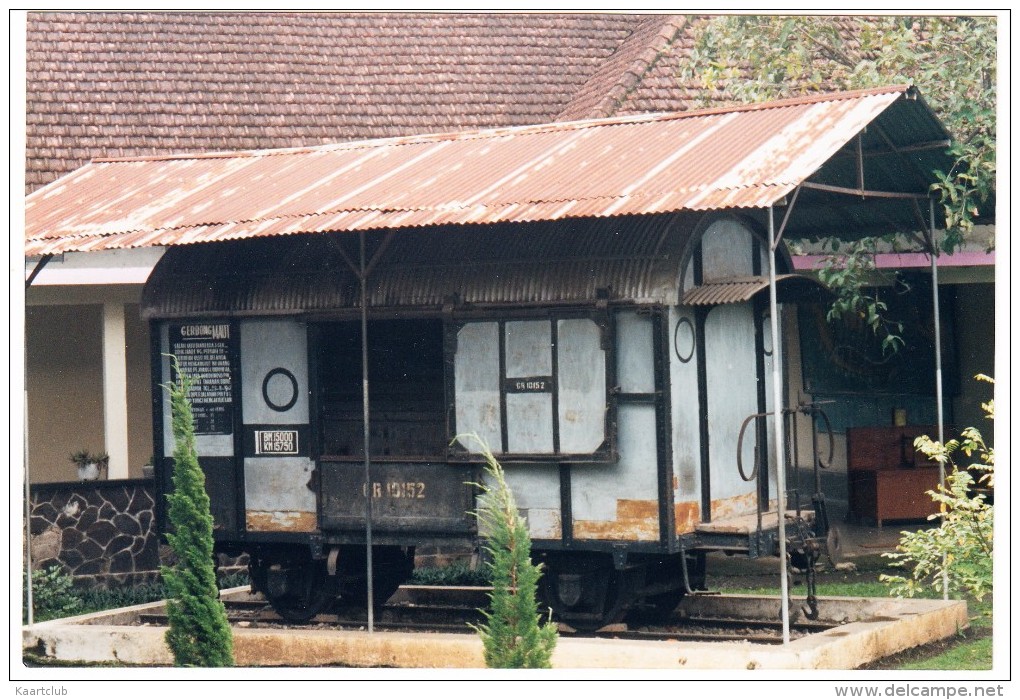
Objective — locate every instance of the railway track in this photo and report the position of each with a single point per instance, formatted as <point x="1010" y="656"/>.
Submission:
<point x="453" y="610"/>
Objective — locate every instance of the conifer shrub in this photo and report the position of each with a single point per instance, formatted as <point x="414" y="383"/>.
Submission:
<point x="199" y="634"/>
<point x="513" y="635"/>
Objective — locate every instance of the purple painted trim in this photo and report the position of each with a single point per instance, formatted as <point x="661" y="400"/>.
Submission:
<point x="886" y="261"/>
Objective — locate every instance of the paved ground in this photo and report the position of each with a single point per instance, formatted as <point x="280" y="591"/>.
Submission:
<point x="859" y="539"/>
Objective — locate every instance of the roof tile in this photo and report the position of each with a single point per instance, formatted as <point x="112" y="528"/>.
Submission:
<point x="186" y="70"/>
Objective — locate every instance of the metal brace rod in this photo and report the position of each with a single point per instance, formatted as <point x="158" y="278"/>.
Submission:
<point x="365" y="420"/>
<point x="863" y="193"/>
<point x="37" y="269"/>
<point x="362" y="270"/>
<point x="377" y="255"/>
<point x="335" y="245"/>
<point x="938" y="373"/>
<point x="899" y="150"/>
<point x="786" y="217"/>
<point x="927" y="236"/>
<point x="777" y="402"/>
<point x="907" y="163"/>
<point x="860" y="161"/>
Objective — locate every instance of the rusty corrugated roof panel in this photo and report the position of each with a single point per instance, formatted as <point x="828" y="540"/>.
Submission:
<point x="632" y="259"/>
<point x="749" y="157"/>
<point x="736" y="290"/>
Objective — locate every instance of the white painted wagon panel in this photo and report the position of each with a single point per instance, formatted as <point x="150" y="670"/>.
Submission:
<point x="529" y="419"/>
<point x="276" y="494"/>
<point x="268" y="344"/>
<point x="582" y="386"/>
<point x="274" y="391"/>
<point x="732" y="396"/>
<point x="726" y="250"/>
<point x="634" y="369"/>
<point x="620" y="501"/>
<point x="536" y="488"/>
<point x="685" y="409"/>
<point x="476" y="384"/>
<point x="528" y="348"/>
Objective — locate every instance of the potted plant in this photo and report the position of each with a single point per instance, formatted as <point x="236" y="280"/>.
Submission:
<point x="90" y="466"/>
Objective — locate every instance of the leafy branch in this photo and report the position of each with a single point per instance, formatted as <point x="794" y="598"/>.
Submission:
<point x="850" y="271"/>
<point x="951" y="59"/>
<point x="959" y="552"/>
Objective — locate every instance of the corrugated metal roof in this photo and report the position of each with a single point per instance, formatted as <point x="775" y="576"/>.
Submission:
<point x="749" y="157"/>
<point x="789" y="289"/>
<point x="633" y="259"/>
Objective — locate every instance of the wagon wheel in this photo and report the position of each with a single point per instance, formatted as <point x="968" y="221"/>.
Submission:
<point x="660" y="606"/>
<point x="308" y="590"/>
<point x="391" y="567"/>
<point x="586" y="602"/>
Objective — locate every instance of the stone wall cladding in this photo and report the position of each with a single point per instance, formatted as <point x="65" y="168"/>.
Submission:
<point x="99" y="532"/>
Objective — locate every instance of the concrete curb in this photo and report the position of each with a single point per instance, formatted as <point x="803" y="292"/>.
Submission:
<point x="882" y="627"/>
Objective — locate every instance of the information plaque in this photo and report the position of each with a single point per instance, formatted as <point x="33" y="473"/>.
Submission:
<point x="204" y="351"/>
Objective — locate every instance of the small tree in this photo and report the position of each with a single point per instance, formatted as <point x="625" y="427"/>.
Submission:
<point x="958" y="551"/>
<point x="199" y="634"/>
<point x="53" y="595"/>
<point x="512" y="634"/>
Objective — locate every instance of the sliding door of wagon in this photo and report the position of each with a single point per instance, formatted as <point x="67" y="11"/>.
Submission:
<point x="412" y="487"/>
<point x="535" y="391"/>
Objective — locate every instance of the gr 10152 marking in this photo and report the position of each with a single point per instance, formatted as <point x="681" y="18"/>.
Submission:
<point x="395" y="489"/>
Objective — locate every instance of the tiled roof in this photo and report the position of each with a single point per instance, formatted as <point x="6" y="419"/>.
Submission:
<point x="662" y="89"/>
<point x="122" y="84"/>
<point x="624" y="71"/>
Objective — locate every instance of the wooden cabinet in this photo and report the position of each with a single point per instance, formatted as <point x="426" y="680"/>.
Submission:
<point x="887" y="478"/>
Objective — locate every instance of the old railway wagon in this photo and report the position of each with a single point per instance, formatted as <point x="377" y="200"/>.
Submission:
<point x="613" y="365"/>
<point x="584" y="297"/>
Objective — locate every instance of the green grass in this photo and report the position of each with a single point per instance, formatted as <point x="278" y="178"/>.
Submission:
<point x="97" y="599"/>
<point x="966" y="655"/>
<point x="969" y="650"/>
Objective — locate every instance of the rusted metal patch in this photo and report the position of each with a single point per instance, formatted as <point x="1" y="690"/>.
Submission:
<point x="687" y="515"/>
<point x="734" y="506"/>
<point x="280" y="521"/>
<point x="635" y="520"/>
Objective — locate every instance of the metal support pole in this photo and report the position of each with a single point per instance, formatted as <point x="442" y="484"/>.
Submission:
<point x="364" y="403"/>
<point x="28" y="526"/>
<point x="28" y="480"/>
<point x="777" y="409"/>
<point x="938" y="369"/>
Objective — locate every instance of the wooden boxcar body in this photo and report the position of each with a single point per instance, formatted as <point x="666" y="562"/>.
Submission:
<point x="612" y="366"/>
